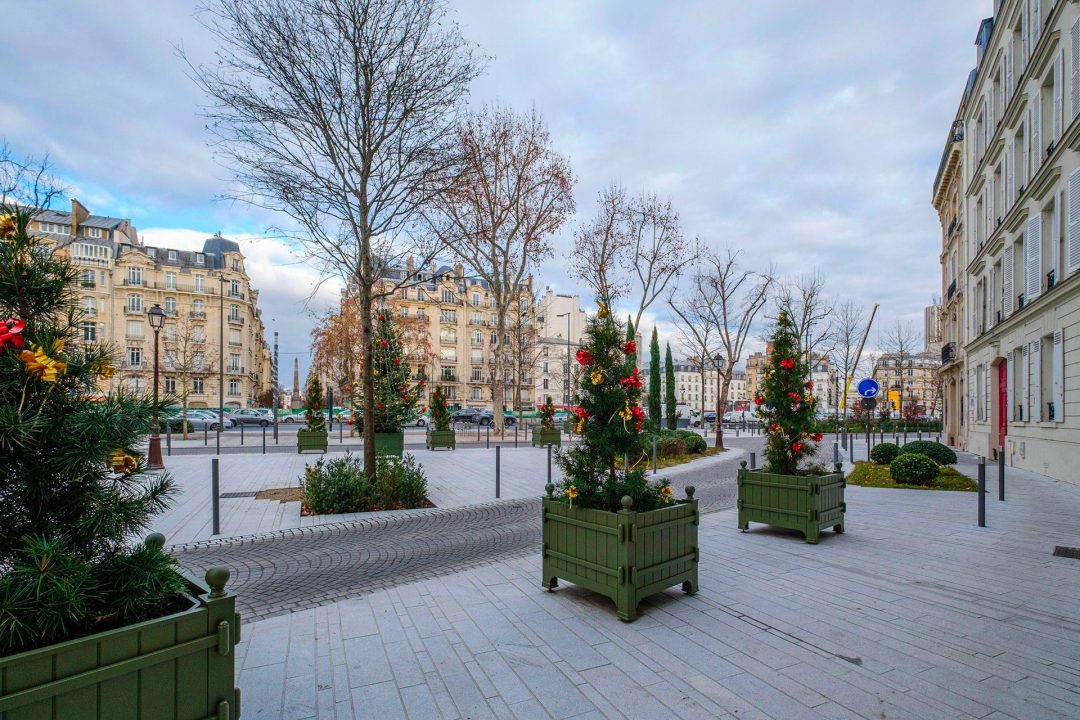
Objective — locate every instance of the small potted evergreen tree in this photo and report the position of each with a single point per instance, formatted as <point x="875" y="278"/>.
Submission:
<point x="788" y="492"/>
<point x="606" y="527"/>
<point x="439" y="435"/>
<point x="92" y="623"/>
<point x="547" y="433"/>
<point x="395" y="399"/>
<point x="314" y="436"/>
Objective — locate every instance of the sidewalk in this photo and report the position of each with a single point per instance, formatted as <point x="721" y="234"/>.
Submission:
<point x="913" y="613"/>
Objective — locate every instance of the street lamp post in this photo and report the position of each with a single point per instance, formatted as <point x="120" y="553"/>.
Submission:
<point x="221" y="357"/>
<point x="569" y="385"/>
<point x="719" y="441"/>
<point x="156" y="316"/>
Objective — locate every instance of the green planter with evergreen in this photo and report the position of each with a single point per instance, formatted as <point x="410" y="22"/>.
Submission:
<point x="93" y="625"/>
<point x="315" y="436"/>
<point x="390" y="443"/>
<point x="789" y="492"/>
<point x="395" y="398"/>
<point x="439" y="435"/>
<point x="607" y="528"/>
<point x="547" y="434"/>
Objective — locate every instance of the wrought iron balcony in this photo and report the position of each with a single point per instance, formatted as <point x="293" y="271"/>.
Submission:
<point x="951" y="291"/>
<point x="948" y="353"/>
<point x="1051" y="279"/>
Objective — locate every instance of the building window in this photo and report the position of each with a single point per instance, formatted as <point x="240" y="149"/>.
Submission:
<point x="420" y="312"/>
<point x="172" y="256"/>
<point x="134" y="276"/>
<point x="448" y="335"/>
<point x="477" y="394"/>
<point x="89" y="331"/>
<point x="234" y="288"/>
<point x="200" y="259"/>
<point x="447" y="296"/>
<point x="170" y="384"/>
<point x="404" y="312"/>
<point x="448" y="316"/>
<point x="448" y="354"/>
<point x="420" y="294"/>
<point x="234" y="387"/>
<point x="168" y="359"/>
<point x="545" y="383"/>
<point x="135" y="329"/>
<point x="197" y="386"/>
<point x="197" y="360"/>
<point x="476" y="299"/>
<point x="200" y="283"/>
<point x="198" y="308"/>
<point x="236" y="265"/>
<point x="170" y="281"/>
<point x="234" y="336"/>
<point x="448" y="374"/>
<point x="170" y="306"/>
<point x="477" y="318"/>
<point x="234" y="312"/>
<point x="477" y="374"/>
<point x="134" y="357"/>
<point x="234" y="362"/>
<point x="134" y="303"/>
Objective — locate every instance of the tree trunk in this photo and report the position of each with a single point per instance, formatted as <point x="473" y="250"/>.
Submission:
<point x="367" y="373"/>
<point x="721" y="403"/>
<point x="498" y="402"/>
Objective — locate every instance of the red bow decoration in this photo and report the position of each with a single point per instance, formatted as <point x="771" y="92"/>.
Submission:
<point x="397" y="361"/>
<point x="787" y="363"/>
<point x="759" y="400"/>
<point x="634" y="381"/>
<point x="584" y="357"/>
<point x="382" y="317"/>
<point x="796" y="446"/>
<point x="639" y="414"/>
<point x="629" y="347"/>
<point x="794" y="395"/>
<point x="11" y="332"/>
<point x="581" y="412"/>
<point x="809" y="384"/>
<point x="817" y="437"/>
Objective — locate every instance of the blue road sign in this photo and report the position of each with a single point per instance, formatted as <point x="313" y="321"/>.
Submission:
<point x="868" y="388"/>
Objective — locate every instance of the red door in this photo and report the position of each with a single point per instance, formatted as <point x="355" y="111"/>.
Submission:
<point x="1003" y="403"/>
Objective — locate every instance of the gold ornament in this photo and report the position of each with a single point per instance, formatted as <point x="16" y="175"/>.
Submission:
<point x="41" y="365"/>
<point x="603" y="312"/>
<point x="597" y="377"/>
<point x="121" y="462"/>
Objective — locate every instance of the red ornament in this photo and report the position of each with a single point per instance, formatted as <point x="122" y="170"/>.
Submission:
<point x="775" y="427"/>
<point x="11" y="332"/>
<point x="378" y="405"/>
<point x="787" y="363"/>
<point x="809" y="384"/>
<point x="634" y="381"/>
<point x="382" y="317"/>
<point x="817" y="437"/>
<point x="422" y="383"/>
<point x="383" y="343"/>
<point x="759" y="400"/>
<point x="639" y="416"/>
<point x="397" y="361"/>
<point x="581" y="412"/>
<point x="794" y="395"/>
<point x="629" y="347"/>
<point x="348" y="388"/>
<point x="796" y="446"/>
<point x="584" y="357"/>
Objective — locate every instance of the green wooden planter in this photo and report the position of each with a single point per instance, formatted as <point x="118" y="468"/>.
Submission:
<point x="310" y="440"/>
<point x="808" y="503"/>
<point x="177" y="667"/>
<point x="542" y="437"/>
<point x="441" y="439"/>
<point x="391" y="443"/>
<point x="625" y="555"/>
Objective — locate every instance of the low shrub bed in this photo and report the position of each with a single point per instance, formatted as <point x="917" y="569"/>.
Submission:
<point x="340" y="486"/>
<point x="938" y="452"/>
<point x="868" y="474"/>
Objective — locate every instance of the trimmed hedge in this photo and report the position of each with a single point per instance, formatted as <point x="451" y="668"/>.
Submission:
<point x="939" y="453"/>
<point x="884" y="453"/>
<point x="913" y="469"/>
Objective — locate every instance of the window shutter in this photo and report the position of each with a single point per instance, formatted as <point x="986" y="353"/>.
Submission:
<point x="1009" y="73"/>
<point x="1033" y="261"/>
<point x="1036" y="23"/>
<point x="1010" y="386"/>
<point x="1074" y="222"/>
<point x="1025" y="389"/>
<point x="1075" y="67"/>
<point x="1036" y="133"/>
<point x="1055" y="237"/>
<point x="1059" y="89"/>
<point x="1059" y="376"/>
<point x="1010" y="176"/>
<point x="1008" y="273"/>
<point x="1035" y="396"/>
<point x="971" y="394"/>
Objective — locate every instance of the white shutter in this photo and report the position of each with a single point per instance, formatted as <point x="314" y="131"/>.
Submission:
<point x="1055" y="238"/>
<point x="1073" y="228"/>
<point x="1025" y="388"/>
<point x="1059" y="376"/>
<point x="986" y="392"/>
<point x="1075" y="67"/>
<point x="1007" y="275"/>
<point x="971" y="395"/>
<point x="1033" y="259"/>
<point x="1035" y="396"/>
<point x="1036" y="133"/>
<point x="1025" y="36"/>
<point x="1010" y="176"/>
<point x="1036" y="24"/>
<point x="1009" y="74"/>
<point x="1010" y="389"/>
<point x="1059" y="89"/>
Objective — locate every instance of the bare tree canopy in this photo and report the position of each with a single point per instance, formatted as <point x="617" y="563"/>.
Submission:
<point x="632" y="247"/>
<point x="699" y="337"/>
<point x="846" y="330"/>
<point x="728" y="297"/>
<point x="27" y="181"/>
<point x="899" y="341"/>
<point x="343" y="115"/>
<point x="803" y="299"/>
<point x="504" y="197"/>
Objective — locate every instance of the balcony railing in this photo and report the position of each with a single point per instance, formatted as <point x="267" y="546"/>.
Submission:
<point x="1051" y="279"/>
<point x="951" y="291"/>
<point x="88" y="284"/>
<point x="236" y="320"/>
<point x="948" y="353"/>
<point x="132" y="282"/>
<point x="129" y="310"/>
<point x="1020" y="301"/>
<point x="952" y="227"/>
<point x="197" y="314"/>
<point x="236" y="294"/>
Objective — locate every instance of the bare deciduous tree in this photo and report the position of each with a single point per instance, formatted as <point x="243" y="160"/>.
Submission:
<point x="340" y="114"/>
<point x="27" y="181"/>
<point x="600" y="245"/>
<point x="506" y="195"/>
<point x="899" y="342"/>
<point x="730" y="297"/>
<point x="699" y="337"/>
<point x="803" y="299"/>
<point x="188" y="359"/>
<point x="846" y="329"/>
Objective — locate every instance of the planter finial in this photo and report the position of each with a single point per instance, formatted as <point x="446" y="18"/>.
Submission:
<point x="550" y="489"/>
<point x="627" y="501"/>
<point x="690" y="490"/>
<point x="839" y="467"/>
<point x="742" y="464"/>
<point x="216" y="577"/>
<point x="154" y="541"/>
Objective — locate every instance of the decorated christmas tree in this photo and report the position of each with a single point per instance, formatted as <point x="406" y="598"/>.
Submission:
<point x="609" y="418"/>
<point x="786" y="402"/>
<point x="74" y="486"/>
<point x="314" y="410"/>
<point x="440" y="412"/>
<point x="547" y="415"/>
<point x="395" y="398"/>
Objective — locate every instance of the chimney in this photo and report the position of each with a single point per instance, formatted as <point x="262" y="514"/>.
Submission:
<point x="459" y="269"/>
<point x="79" y="213"/>
<point x="409" y="266"/>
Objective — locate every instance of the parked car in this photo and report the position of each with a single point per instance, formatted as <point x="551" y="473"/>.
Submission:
<point x="254" y="416"/>
<point x="487" y="417"/>
<point x="466" y="415"/>
<point x="199" y="420"/>
<point x="290" y="416"/>
<point x="560" y="417"/>
<point x="710" y="418"/>
<point x="422" y="420"/>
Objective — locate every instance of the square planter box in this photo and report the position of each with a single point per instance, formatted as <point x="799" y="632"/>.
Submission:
<point x="441" y="439"/>
<point x="542" y="437"/>
<point x="625" y="555"/>
<point x="808" y="503"/>
<point x="310" y="440"/>
<point x="177" y="667"/>
<point x="391" y="443"/>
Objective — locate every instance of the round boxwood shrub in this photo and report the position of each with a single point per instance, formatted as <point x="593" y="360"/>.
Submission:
<point x="694" y="443"/>
<point x="884" y="453"/>
<point x="913" y="469"/>
<point x="939" y="453"/>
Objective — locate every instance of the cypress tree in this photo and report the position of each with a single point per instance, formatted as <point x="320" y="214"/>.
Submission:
<point x="669" y="395"/>
<point x="654" y="382"/>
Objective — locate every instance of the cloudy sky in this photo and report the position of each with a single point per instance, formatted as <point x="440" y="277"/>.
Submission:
<point x="806" y="132"/>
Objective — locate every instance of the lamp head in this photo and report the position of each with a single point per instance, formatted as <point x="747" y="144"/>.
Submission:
<point x="156" y="316"/>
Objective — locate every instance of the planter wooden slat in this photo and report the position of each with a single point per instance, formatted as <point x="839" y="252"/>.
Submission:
<point x="441" y="439"/>
<point x="543" y="438"/>
<point x="391" y="443"/>
<point x="807" y="503"/>
<point x="311" y="440"/>
<point x="625" y="556"/>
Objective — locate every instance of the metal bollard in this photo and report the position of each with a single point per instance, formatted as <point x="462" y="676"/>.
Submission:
<point x="497" y="449"/>
<point x="851" y="452"/>
<point x="340" y="433"/>
<point x="982" y="492"/>
<point x="264" y="440"/>
<point x="654" y="455"/>
<point x="1001" y="474"/>
<point x="241" y="433"/>
<point x="843" y="437"/>
<point x="215" y="490"/>
<point x="489" y="437"/>
<point x="206" y="434"/>
<point x="549" y="463"/>
<point x="905" y="434"/>
<point x="753" y="461"/>
<point x="835" y="452"/>
<point x="168" y="439"/>
<point x="920" y="435"/>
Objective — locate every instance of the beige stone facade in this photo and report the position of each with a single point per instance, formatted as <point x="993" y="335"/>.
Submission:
<point x="911" y="384"/>
<point x="211" y="309"/>
<point x="1021" y="274"/>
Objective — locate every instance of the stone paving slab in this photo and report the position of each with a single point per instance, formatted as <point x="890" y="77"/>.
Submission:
<point x="913" y="613"/>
